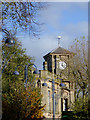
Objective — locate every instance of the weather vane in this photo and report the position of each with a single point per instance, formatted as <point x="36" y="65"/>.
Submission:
<point x="59" y="37"/>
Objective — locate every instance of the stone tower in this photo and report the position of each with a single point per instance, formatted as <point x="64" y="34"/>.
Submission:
<point x="57" y="62"/>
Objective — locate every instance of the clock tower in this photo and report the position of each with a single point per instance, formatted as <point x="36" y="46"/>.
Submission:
<point x="56" y="67"/>
<point x="57" y="62"/>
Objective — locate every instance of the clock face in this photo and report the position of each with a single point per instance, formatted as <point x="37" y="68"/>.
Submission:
<point x="62" y="65"/>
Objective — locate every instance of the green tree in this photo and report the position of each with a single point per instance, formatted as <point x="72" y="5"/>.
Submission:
<point x="79" y="76"/>
<point x="80" y="109"/>
<point x="19" y="103"/>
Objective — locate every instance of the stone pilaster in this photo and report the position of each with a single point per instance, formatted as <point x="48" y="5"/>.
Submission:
<point x="44" y="92"/>
<point x="57" y="64"/>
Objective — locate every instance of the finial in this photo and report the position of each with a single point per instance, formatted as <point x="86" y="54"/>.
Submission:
<point x="59" y="37"/>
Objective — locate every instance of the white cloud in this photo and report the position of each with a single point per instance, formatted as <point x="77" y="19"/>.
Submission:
<point x="77" y="29"/>
<point x="53" y="13"/>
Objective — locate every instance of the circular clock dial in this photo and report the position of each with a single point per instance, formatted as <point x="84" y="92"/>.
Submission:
<point x="62" y="65"/>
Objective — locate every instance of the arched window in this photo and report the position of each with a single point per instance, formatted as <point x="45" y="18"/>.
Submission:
<point x="65" y="107"/>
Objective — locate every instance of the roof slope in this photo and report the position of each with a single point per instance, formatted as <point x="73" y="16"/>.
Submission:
<point x="58" y="50"/>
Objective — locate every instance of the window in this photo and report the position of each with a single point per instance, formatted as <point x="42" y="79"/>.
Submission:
<point x="65" y="105"/>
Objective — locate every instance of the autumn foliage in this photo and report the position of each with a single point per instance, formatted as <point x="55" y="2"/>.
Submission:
<point x="19" y="102"/>
<point x="22" y="104"/>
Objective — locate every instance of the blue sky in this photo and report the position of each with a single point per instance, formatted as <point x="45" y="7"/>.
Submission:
<point x="69" y="20"/>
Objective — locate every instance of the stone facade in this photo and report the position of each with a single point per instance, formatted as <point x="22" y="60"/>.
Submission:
<point x="64" y="96"/>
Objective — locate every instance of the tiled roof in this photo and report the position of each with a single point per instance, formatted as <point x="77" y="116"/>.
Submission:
<point x="58" y="50"/>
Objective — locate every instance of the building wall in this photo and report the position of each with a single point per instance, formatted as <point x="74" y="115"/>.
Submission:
<point x="64" y="96"/>
<point x="61" y="93"/>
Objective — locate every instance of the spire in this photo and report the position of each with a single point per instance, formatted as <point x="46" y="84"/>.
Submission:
<point x="59" y="37"/>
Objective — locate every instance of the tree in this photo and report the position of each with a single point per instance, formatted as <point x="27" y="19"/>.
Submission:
<point x="79" y="76"/>
<point x="21" y="16"/>
<point x="80" y="109"/>
<point x="79" y="66"/>
<point x="19" y="103"/>
<point x="22" y="104"/>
